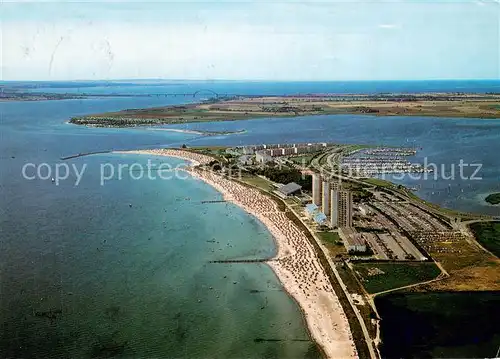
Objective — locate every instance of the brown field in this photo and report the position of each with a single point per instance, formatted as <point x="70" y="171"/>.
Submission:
<point x="470" y="270"/>
<point x="464" y="106"/>
<point x="437" y="105"/>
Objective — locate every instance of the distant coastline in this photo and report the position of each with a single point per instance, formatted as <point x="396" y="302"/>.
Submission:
<point x="11" y="96"/>
<point x="485" y="106"/>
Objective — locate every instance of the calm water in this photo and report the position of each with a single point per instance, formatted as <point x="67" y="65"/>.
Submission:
<point x="440" y="141"/>
<point x="122" y="269"/>
<point x="262" y="87"/>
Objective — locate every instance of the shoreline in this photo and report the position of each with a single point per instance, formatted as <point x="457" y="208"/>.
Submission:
<point x="295" y="263"/>
<point x="196" y="132"/>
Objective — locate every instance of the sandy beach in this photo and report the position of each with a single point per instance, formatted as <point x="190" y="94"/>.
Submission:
<point x="295" y="264"/>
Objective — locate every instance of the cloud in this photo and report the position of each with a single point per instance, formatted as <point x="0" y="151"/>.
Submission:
<point x="388" y="26"/>
<point x="487" y="2"/>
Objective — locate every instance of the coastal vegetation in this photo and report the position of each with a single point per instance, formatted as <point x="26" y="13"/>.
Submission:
<point x="333" y="243"/>
<point x="493" y="198"/>
<point x="355" y="287"/>
<point x="258" y="182"/>
<point x="285" y="175"/>
<point x="380" y="182"/>
<point x="330" y="237"/>
<point x="488" y="234"/>
<point x="379" y="277"/>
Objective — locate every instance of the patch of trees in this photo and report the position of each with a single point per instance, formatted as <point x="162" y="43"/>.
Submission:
<point x="364" y="109"/>
<point x="286" y="175"/>
<point x="215" y="165"/>
<point x="370" y="230"/>
<point x="113" y="121"/>
<point x="361" y="195"/>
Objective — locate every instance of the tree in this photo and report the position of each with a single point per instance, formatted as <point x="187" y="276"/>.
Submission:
<point x="215" y="165"/>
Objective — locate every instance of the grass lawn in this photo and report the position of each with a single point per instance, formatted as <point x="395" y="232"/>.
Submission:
<point x="378" y="277"/>
<point x="330" y="237"/>
<point x="332" y="242"/>
<point x="304" y="159"/>
<point x="379" y="182"/>
<point x="259" y="182"/>
<point x="488" y="234"/>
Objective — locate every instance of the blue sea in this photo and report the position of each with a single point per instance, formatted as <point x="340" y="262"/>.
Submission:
<point x="122" y="269"/>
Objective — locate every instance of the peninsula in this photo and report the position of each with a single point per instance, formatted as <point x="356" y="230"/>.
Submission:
<point x="242" y="108"/>
<point x="343" y="275"/>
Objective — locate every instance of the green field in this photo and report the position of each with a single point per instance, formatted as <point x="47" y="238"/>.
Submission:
<point x="439" y="325"/>
<point x="378" y="277"/>
<point x="488" y="234"/>
<point x="330" y="237"/>
<point x="303" y="159"/>
<point x="379" y="182"/>
<point x="259" y="182"/>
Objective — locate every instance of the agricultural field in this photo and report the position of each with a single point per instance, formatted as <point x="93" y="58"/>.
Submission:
<point x="379" y="277"/>
<point x="439" y="324"/>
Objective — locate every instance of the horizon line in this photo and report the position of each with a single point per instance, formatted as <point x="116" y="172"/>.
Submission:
<point x="251" y="80"/>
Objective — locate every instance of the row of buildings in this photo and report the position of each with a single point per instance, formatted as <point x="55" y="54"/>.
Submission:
<point x="330" y="201"/>
<point x="334" y="202"/>
<point x="266" y="153"/>
<point x="250" y="150"/>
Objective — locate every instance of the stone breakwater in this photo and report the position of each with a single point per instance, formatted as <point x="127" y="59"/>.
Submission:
<point x="295" y="264"/>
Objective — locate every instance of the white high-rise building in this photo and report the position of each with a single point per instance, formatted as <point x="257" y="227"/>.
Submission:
<point x="316" y="189"/>
<point x="325" y="200"/>
<point x="341" y="208"/>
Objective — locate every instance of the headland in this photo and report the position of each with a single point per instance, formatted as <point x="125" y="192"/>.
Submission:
<point x="484" y="106"/>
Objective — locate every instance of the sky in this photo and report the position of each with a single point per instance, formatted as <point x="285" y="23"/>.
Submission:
<point x="254" y="40"/>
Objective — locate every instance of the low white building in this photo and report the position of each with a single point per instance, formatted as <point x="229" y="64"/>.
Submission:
<point x="288" y="190"/>
<point x="263" y="157"/>
<point x="245" y="159"/>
